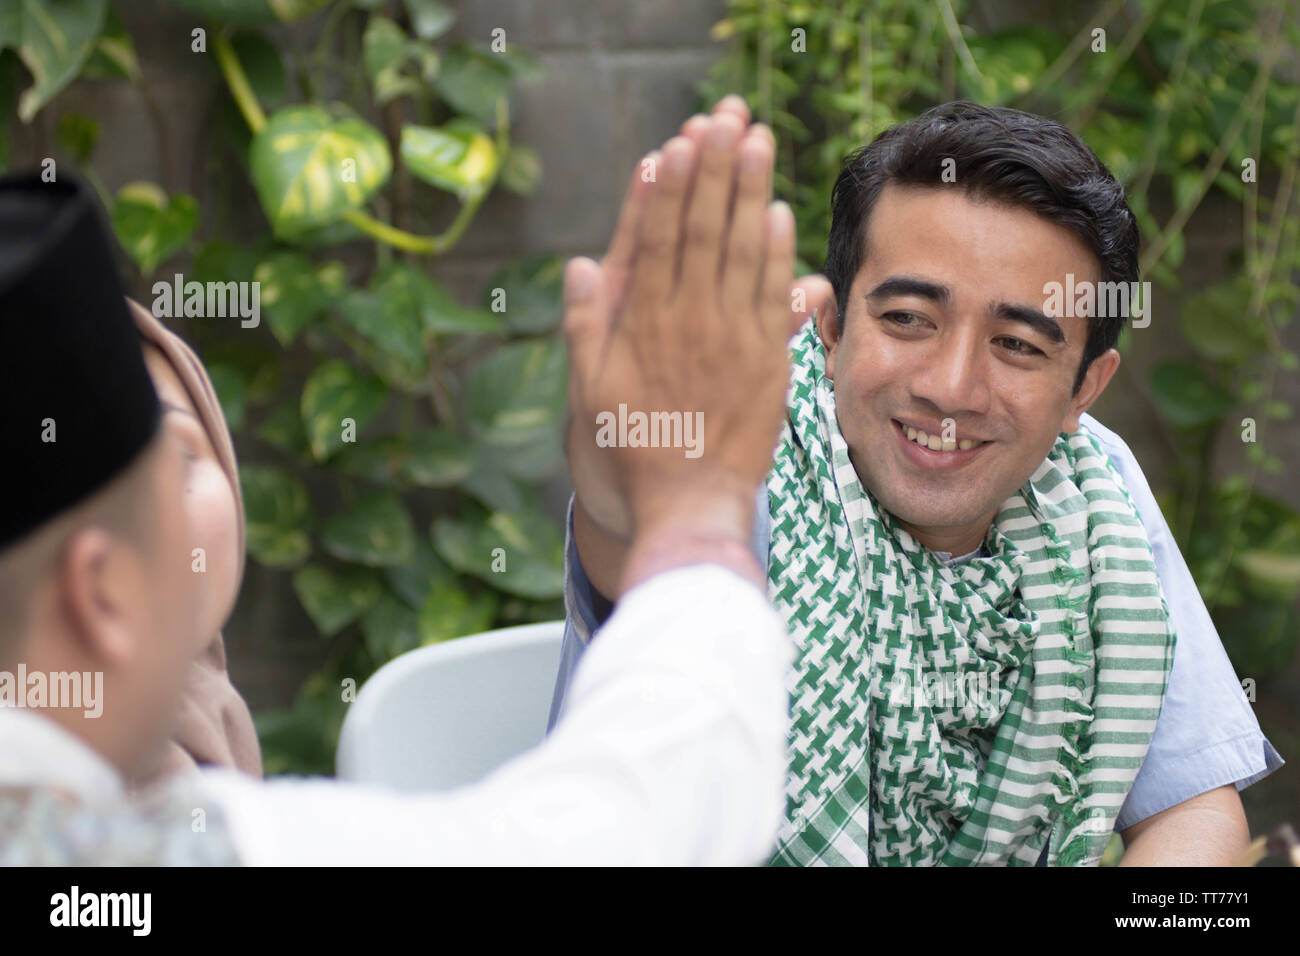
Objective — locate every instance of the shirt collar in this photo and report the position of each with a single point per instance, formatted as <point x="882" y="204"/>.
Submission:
<point x="36" y="751"/>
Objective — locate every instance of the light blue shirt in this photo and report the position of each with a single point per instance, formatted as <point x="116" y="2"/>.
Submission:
<point x="1207" y="735"/>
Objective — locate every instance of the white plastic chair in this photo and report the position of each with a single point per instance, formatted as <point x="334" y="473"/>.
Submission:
<point x="446" y="715"/>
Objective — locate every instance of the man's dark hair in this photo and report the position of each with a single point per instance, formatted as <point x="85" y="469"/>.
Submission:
<point x="1002" y="155"/>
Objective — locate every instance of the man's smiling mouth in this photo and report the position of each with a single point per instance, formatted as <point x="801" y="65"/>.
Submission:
<point x="934" y="441"/>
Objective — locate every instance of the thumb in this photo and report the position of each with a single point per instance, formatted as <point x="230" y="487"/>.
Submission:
<point x="587" y="314"/>
<point x="809" y="294"/>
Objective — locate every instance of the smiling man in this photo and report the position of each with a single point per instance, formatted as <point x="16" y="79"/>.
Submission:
<point x="1002" y="656"/>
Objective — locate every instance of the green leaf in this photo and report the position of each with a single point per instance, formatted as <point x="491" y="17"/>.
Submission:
<point x="1260" y="636"/>
<point x="313" y="164"/>
<point x="407" y="288"/>
<point x="522" y="171"/>
<point x="335" y="600"/>
<point x="334" y="392"/>
<point x="1186" y="396"/>
<point x="529" y="293"/>
<point x="247" y="12"/>
<point x="439" y="458"/>
<point x="518" y="392"/>
<point x="1216" y="323"/>
<point x="261" y="61"/>
<point x="380" y="460"/>
<point x="375" y="530"/>
<point x="278" y="513"/>
<point x="388" y="317"/>
<point x="302" y="739"/>
<point x="53" y="38"/>
<point x="532" y="460"/>
<point x="150" y="226"/>
<point x="77" y="134"/>
<point x="231" y="386"/>
<point x="414" y="580"/>
<point x="390" y="628"/>
<point x="294" y="292"/>
<point x="489" y="484"/>
<point x="517" y="552"/>
<point x="443" y="315"/>
<point x="449" y="612"/>
<point x="283" y="429"/>
<point x="383" y="52"/>
<point x="425" y="57"/>
<point x="220" y="260"/>
<point x="429" y="18"/>
<point x="258" y="366"/>
<point x="458" y="157"/>
<point x="383" y="46"/>
<point x="472" y="82"/>
<point x="1273" y="571"/>
<point x="113" y="56"/>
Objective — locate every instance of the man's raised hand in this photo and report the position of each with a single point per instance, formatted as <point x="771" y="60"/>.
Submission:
<point x="687" y="320"/>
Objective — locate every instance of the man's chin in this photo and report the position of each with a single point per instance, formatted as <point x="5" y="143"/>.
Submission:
<point x="940" y="513"/>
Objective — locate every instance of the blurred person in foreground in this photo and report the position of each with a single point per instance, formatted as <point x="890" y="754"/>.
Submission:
<point x="673" y="748"/>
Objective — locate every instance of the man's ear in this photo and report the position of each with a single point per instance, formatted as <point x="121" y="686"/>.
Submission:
<point x="95" y="575"/>
<point x="828" y="327"/>
<point x="1095" y="381"/>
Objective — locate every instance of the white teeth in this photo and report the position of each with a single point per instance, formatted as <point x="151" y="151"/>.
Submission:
<point x="935" y="443"/>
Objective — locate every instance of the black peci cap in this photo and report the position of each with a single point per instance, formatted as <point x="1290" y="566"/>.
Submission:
<point x="77" y="405"/>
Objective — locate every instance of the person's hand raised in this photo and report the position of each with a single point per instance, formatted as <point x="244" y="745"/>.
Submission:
<point x="687" y="320"/>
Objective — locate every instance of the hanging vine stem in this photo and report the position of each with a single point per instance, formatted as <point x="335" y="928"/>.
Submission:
<point x="958" y="41"/>
<point x="1164" y="109"/>
<point x="1113" y="64"/>
<point x="237" y="82"/>
<point x="1076" y="46"/>
<point x="1179" y="219"/>
<point x="1259" y="309"/>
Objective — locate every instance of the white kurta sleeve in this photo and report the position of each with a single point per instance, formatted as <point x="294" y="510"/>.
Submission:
<point x="671" y="750"/>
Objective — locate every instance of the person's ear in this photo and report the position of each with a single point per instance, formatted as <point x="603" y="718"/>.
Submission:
<point x="1095" y="381"/>
<point x="96" y="576"/>
<point x="828" y="327"/>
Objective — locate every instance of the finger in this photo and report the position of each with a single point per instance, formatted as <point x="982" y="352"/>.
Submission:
<point x="735" y="105"/>
<point x="654" y="271"/>
<point x="693" y="127"/>
<point x="809" y="295"/>
<point x="706" y="216"/>
<point x="744" y="254"/>
<point x="588" y="318"/>
<point x="697" y="126"/>
<point x="618" y="258"/>
<point x="776" y="300"/>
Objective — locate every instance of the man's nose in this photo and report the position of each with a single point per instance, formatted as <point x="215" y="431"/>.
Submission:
<point x="952" y="376"/>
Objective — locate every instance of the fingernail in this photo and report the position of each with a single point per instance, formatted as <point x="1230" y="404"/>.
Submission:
<point x="725" y="131"/>
<point x="753" y="155"/>
<point x="733" y="101"/>
<point x="782" y="217"/>
<point x="579" y="282"/>
<point x="677" y="155"/>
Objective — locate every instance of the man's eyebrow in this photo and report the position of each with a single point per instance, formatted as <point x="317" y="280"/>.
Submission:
<point x="907" y="285"/>
<point x="1040" y="322"/>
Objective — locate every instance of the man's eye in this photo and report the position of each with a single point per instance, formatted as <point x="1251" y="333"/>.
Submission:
<point x="905" y="319"/>
<point x="1019" y="346"/>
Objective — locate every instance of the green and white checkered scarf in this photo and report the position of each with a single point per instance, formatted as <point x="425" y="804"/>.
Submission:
<point x="965" y="714"/>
